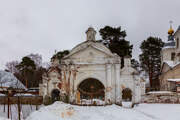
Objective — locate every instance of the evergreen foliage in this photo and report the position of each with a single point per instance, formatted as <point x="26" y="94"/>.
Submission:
<point x="135" y="64"/>
<point x="29" y="73"/>
<point x="150" y="59"/>
<point x="114" y="39"/>
<point x="60" y="54"/>
<point x="26" y="64"/>
<point x="27" y="68"/>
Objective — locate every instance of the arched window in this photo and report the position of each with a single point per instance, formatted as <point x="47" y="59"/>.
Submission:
<point x="173" y="56"/>
<point x="177" y="42"/>
<point x="55" y="95"/>
<point x="91" y="89"/>
<point x="126" y="94"/>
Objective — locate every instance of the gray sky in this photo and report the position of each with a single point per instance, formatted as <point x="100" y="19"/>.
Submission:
<point x="41" y="26"/>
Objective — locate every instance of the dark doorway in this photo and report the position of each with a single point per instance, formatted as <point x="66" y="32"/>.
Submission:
<point x="126" y="94"/>
<point x="91" y="89"/>
<point x="55" y="95"/>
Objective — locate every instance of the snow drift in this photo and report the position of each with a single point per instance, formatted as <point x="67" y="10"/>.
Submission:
<point x="62" y="111"/>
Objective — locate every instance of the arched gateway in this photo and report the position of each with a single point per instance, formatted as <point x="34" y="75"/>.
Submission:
<point x="126" y="94"/>
<point x="92" y="71"/>
<point x="55" y="95"/>
<point x="91" y="89"/>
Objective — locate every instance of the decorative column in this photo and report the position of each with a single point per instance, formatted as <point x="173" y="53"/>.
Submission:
<point x="118" y="87"/>
<point x="108" y="97"/>
<point x="70" y="83"/>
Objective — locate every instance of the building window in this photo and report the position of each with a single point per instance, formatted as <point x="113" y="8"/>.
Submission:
<point x="177" y="43"/>
<point x="172" y="56"/>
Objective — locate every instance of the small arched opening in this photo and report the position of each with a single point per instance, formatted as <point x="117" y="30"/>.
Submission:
<point x="126" y="94"/>
<point x="91" y="89"/>
<point x="55" y="95"/>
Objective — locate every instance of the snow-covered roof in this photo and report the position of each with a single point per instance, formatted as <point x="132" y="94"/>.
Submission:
<point x="178" y="29"/>
<point x="171" y="63"/>
<point x="7" y="79"/>
<point x="169" y="44"/>
<point x="166" y="47"/>
<point x="25" y="94"/>
<point x="174" y="80"/>
<point x="2" y="94"/>
<point x="159" y="92"/>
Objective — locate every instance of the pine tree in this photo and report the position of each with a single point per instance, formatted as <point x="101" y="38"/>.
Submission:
<point x="135" y="64"/>
<point x="114" y="39"/>
<point x="27" y="68"/>
<point x="60" y="54"/>
<point x="150" y="59"/>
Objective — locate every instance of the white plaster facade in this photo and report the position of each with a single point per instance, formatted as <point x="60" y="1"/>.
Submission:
<point x="171" y="50"/>
<point x="92" y="59"/>
<point x="170" y="60"/>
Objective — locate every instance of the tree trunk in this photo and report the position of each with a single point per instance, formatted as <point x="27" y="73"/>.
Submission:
<point x="8" y="106"/>
<point x="150" y="78"/>
<point x="19" y="109"/>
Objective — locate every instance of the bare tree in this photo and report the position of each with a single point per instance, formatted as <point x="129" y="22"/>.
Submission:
<point x="11" y="66"/>
<point x="37" y="58"/>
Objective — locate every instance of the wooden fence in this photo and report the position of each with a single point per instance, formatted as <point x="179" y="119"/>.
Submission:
<point x="33" y="100"/>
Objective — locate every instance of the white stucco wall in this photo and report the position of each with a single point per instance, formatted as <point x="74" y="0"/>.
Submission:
<point x="91" y="59"/>
<point x="166" y="54"/>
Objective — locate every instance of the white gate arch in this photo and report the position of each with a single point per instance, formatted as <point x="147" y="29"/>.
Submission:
<point x="86" y="76"/>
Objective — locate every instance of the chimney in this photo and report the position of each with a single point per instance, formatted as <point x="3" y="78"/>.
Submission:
<point x="127" y="61"/>
<point x="91" y="33"/>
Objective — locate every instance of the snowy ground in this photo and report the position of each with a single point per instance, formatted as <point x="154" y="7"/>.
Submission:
<point x="61" y="111"/>
<point x="26" y="110"/>
<point x="2" y="118"/>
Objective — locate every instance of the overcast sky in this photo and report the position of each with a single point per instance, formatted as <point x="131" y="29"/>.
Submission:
<point x="43" y="26"/>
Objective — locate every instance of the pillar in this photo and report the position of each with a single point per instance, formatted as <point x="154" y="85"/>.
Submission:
<point x="108" y="97"/>
<point x="134" y="90"/>
<point x="118" y="87"/>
